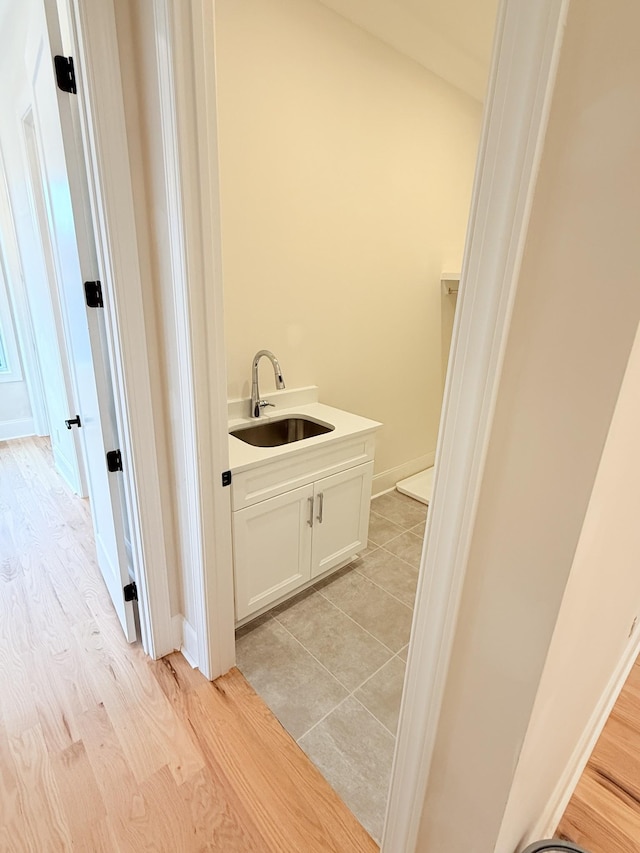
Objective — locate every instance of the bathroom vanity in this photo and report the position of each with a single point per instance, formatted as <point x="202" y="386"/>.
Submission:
<point x="300" y="507"/>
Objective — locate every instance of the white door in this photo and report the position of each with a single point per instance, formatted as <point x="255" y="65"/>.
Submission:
<point x="44" y="308"/>
<point x="272" y="549"/>
<point x="68" y="217"/>
<point x="341" y="509"/>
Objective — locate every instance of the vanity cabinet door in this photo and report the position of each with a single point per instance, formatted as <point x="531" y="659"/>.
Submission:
<point x="341" y="517"/>
<point x="272" y="549"/>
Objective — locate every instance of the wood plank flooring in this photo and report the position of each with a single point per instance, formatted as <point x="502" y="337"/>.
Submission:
<point x="102" y="749"/>
<point x="603" y="815"/>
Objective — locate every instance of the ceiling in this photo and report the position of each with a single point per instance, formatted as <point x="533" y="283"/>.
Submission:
<point x="452" y="38"/>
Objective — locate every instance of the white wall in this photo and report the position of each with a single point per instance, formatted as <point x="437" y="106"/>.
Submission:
<point x="16" y="416"/>
<point x="575" y="318"/>
<point x="346" y="173"/>
<point x="592" y="638"/>
<point x="452" y="38"/>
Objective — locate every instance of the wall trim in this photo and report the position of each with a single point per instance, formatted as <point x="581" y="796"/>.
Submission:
<point x="526" y="52"/>
<point x="189" y="518"/>
<point x="194" y="153"/>
<point x="16" y="428"/>
<point x="104" y="137"/>
<point x="385" y="481"/>
<point x="555" y="808"/>
<point x="185" y="639"/>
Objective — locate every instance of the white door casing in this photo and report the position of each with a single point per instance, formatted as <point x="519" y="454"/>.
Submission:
<point x="64" y="185"/>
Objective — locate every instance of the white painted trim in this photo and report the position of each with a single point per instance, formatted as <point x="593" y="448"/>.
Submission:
<point x="526" y="53"/>
<point x="555" y="808"/>
<point x="385" y="481"/>
<point x="104" y="137"/>
<point x="17" y="428"/>
<point x="185" y="638"/>
<point x="197" y="136"/>
<point x="190" y="517"/>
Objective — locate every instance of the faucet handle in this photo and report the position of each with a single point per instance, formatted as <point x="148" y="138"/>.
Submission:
<point x="264" y="403"/>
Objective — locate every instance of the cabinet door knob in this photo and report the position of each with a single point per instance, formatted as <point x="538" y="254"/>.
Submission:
<point x="320" y="507"/>
<point x="310" y="519"/>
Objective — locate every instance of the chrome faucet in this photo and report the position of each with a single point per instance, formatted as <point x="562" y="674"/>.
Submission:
<point x="257" y="405"/>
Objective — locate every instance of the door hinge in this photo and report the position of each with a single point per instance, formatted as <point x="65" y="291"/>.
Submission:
<point x="65" y="74"/>
<point x="130" y="591"/>
<point x="114" y="461"/>
<point x="226" y="478"/>
<point x="93" y="294"/>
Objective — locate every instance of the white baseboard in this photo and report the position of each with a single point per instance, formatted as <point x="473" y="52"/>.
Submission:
<point x="18" y="428"/>
<point x="552" y="815"/>
<point x="386" y="480"/>
<point x="185" y="639"/>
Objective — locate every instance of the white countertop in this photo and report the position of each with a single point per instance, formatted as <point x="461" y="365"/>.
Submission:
<point x="298" y="401"/>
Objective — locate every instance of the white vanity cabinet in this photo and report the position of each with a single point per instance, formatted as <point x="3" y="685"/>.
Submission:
<point x="272" y="549"/>
<point x="341" y="517"/>
<point x="283" y="542"/>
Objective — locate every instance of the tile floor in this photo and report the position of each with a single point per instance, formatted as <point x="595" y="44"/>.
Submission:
<point x="330" y="662"/>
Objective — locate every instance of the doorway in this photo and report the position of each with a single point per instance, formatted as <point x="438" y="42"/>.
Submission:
<point x="50" y="243"/>
<point x="53" y="395"/>
<point x="356" y="204"/>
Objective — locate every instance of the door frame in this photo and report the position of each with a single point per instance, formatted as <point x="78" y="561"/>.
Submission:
<point x="526" y="53"/>
<point x="90" y="36"/>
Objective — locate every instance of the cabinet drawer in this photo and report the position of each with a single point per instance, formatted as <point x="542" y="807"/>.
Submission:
<point x="281" y="475"/>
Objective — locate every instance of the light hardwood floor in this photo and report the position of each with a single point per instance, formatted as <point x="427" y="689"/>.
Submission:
<point x="603" y="815"/>
<point x="102" y="749"/>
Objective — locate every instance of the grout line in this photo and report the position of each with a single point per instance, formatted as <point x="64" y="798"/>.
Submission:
<point x="371" y="714"/>
<point x="373" y="674"/>
<point x="335" y="678"/>
<point x="322" y="719"/>
<point x="382" y="589"/>
<point x="337" y="606"/>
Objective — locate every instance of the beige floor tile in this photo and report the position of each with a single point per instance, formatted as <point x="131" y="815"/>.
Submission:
<point x="382" y="693"/>
<point x="354" y="753"/>
<point x="392" y="574"/>
<point x="404" y="653"/>
<point x="371" y="607"/>
<point x="371" y="546"/>
<point x="400" y="509"/>
<point x="349" y="652"/>
<point x="419" y="529"/>
<point x="296" y="687"/>
<point x="408" y="547"/>
<point x="381" y="530"/>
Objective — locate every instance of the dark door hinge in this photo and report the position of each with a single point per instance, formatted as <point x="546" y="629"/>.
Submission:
<point x="130" y="591"/>
<point x="226" y="478"/>
<point x="65" y="74"/>
<point x="69" y="422"/>
<point x="93" y="294"/>
<point x="114" y="461"/>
